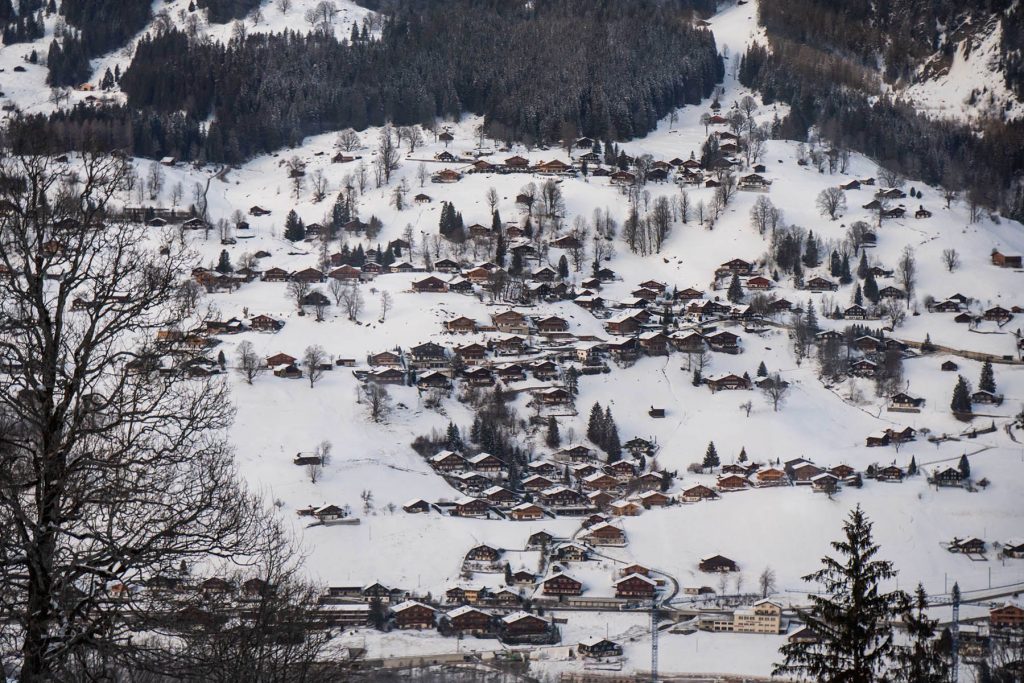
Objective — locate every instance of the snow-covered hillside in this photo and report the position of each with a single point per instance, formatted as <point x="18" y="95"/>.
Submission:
<point x="785" y="528"/>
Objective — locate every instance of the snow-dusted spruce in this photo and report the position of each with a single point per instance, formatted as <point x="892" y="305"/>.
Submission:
<point x="114" y="468"/>
<point x="852" y="620"/>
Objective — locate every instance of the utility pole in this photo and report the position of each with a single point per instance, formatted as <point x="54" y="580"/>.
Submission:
<point x="654" y="640"/>
<point x="955" y="631"/>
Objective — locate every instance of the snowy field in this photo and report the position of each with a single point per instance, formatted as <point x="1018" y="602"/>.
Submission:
<point x="787" y="529"/>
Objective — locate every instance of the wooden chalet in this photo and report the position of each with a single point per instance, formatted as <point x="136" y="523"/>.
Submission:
<point x="728" y="382"/>
<point x="697" y="493"/>
<point x="416" y="506"/>
<point x="636" y="587"/>
<point x="524" y="624"/>
<point x="461" y="325"/>
<point x="1004" y="261"/>
<point x="949" y="476"/>
<point x="470" y="507"/>
<point x="599" y="648"/>
<point x="525" y="512"/>
<point x="561" y="584"/>
<point x="605" y="534"/>
<point x="717" y="564"/>
<point x="967" y="546"/>
<point x="430" y="284"/>
<point x="1006" y="616"/>
<point x="413" y="615"/>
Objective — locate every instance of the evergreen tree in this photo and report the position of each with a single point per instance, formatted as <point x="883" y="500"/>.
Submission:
<point x="474" y="430"/>
<point x="294" y="230"/>
<point x="697" y="379"/>
<point x="572" y="381"/>
<point x="453" y="439"/>
<point x="858" y="297"/>
<point x="743" y="454"/>
<point x="517" y="263"/>
<point x="614" y="447"/>
<point x="735" y="293"/>
<point x="811" y="256"/>
<point x="961" y="402"/>
<point x="340" y="213"/>
<point x="851" y="615"/>
<point x="862" y="267"/>
<point x="871" y="288"/>
<point x="563" y="267"/>
<point x="987" y="382"/>
<point x="964" y="467"/>
<point x="845" y="276"/>
<point x="926" y="345"/>
<point x="762" y="369"/>
<point x="595" y="425"/>
<point x="922" y="659"/>
<point x="552" y="439"/>
<point x="811" y="319"/>
<point x="835" y="265"/>
<point x="912" y="467"/>
<point x="711" y="460"/>
<point x="224" y="263"/>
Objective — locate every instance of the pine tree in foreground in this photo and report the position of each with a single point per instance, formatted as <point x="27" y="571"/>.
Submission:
<point x="711" y="460"/>
<point x="850" y="614"/>
<point x="987" y="381"/>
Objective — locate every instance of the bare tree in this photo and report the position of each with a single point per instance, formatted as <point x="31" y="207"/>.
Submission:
<point x="388" y="155"/>
<point x="347" y="140"/>
<point x="894" y="313"/>
<point x="766" y="581"/>
<point x="378" y="401"/>
<point x="284" y="5"/>
<point x="320" y="304"/>
<point x="775" y="390"/>
<point x="250" y="365"/>
<point x="337" y="288"/>
<point x="313" y="358"/>
<point x="422" y="174"/>
<point x="92" y="440"/>
<point x="906" y="271"/>
<point x="297" y="290"/>
<point x="155" y="180"/>
<point x="831" y="202"/>
<point x="320" y="186"/>
<point x="492" y="198"/>
<point x="177" y="194"/>
<point x="352" y="301"/>
<point x="321" y="15"/>
<point x="950" y="259"/>
<point x="321" y="458"/>
<point x="386" y="302"/>
<point x="890" y="177"/>
<point x="747" y="407"/>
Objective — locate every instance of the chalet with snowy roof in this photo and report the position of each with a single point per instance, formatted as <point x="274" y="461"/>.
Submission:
<point x="905" y="402"/>
<point x="416" y="506"/>
<point x="473" y="482"/>
<point x="771" y="476"/>
<point x="428" y="355"/>
<point x="697" y="493"/>
<point x="511" y="321"/>
<point x="1014" y="547"/>
<point x="385" y="376"/>
<point x="967" y="546"/>
<point x="1004" y="261"/>
<point x="471" y="353"/>
<point x="562" y="497"/>
<point x="862" y="367"/>
<point x="736" y="266"/>
<point x="544" y="467"/>
<point x="518" y="163"/>
<point x="728" y="382"/>
<point x="855" y="312"/>
<point x="467" y="619"/>
<point x="413" y="615"/>
<point x="524" y="624"/>
<point x="654" y="343"/>
<point x="820" y="284"/>
<point x="803" y="474"/>
<point x="500" y="497"/>
<point x="553" y="166"/>
<point x="545" y="370"/>
<point x="890" y="473"/>
<point x="264" y="323"/>
<point x="433" y="380"/>
<point x="724" y="342"/>
<point x="525" y="512"/>
<point x="431" y="284"/>
<point x="986" y="397"/>
<point x="537" y="482"/>
<point x="948" y="476"/>
<point x="635" y="587"/>
<point x="599" y="648"/>
<point x="753" y="181"/>
<point x="605" y="534"/>
<point x="717" y="564"/>
<point x="275" y="274"/>
<point x="890" y="292"/>
<point x="625" y="508"/>
<point x="1006" y="616"/>
<point x="561" y="584"/>
<point x="622" y="178"/>
<point x="652" y="499"/>
<point x="732" y="482"/>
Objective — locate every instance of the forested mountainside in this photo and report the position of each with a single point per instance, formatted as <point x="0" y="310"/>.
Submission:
<point x="603" y="69"/>
<point x="822" y="59"/>
<point x="900" y="36"/>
